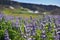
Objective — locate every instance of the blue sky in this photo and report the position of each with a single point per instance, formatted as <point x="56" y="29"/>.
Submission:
<point x="45" y="2"/>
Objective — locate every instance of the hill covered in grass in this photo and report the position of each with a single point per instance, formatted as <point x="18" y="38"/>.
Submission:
<point x="20" y="8"/>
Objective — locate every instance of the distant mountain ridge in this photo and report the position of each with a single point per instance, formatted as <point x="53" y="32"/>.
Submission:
<point x="34" y="7"/>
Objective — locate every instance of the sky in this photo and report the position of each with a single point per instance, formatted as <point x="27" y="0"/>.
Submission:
<point x="45" y="2"/>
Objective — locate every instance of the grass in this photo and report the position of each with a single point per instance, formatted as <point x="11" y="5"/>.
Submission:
<point x="19" y="12"/>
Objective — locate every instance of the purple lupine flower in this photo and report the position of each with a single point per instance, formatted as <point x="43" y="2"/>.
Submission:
<point x="58" y="37"/>
<point x="15" y="24"/>
<point x="33" y="33"/>
<point x="28" y="27"/>
<point x="6" y="35"/>
<point x="29" y="39"/>
<point x="42" y="26"/>
<point x="33" y="29"/>
<point x="58" y="22"/>
<point x="1" y="16"/>
<point x="43" y="35"/>
<point x="9" y="17"/>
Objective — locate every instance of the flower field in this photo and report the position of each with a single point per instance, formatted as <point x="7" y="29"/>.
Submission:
<point x="45" y="27"/>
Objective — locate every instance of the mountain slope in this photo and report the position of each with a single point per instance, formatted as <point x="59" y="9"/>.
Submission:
<point x="53" y="9"/>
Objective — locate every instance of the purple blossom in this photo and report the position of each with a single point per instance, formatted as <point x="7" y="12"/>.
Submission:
<point x="6" y="35"/>
<point x="1" y="16"/>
